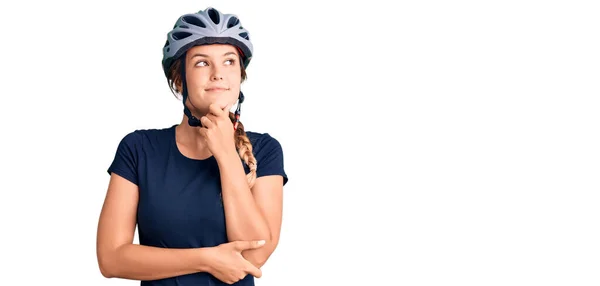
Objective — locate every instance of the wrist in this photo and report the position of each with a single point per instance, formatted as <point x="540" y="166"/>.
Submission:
<point x="227" y="155"/>
<point x="203" y="263"/>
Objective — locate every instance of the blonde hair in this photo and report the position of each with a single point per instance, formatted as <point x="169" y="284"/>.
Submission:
<point x="242" y="142"/>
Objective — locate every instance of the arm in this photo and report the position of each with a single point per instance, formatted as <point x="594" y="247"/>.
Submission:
<point x="119" y="257"/>
<point x="251" y="214"/>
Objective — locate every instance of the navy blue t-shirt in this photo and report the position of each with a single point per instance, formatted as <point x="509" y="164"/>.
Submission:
<point x="180" y="198"/>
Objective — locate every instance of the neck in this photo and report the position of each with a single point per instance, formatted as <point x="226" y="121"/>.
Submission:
<point x="190" y="137"/>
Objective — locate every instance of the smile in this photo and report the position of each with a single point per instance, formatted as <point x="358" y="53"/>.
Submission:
<point x="217" y="89"/>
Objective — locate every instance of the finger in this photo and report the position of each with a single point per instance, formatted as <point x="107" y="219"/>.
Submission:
<point x="206" y="122"/>
<point x="243" y="245"/>
<point x="253" y="270"/>
<point x="212" y="117"/>
<point x="214" y="109"/>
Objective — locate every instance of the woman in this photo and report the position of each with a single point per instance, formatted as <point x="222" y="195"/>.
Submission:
<point x="206" y="195"/>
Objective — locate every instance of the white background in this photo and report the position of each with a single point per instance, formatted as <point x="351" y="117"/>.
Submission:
<point x="426" y="142"/>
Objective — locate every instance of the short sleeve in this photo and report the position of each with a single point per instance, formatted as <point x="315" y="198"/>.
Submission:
<point x="270" y="158"/>
<point x="125" y="161"/>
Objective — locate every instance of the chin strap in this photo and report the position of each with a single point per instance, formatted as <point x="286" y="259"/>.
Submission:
<point x="192" y="120"/>
<point x="238" y="110"/>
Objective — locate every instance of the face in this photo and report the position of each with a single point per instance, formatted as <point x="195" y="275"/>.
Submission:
<point x="213" y="76"/>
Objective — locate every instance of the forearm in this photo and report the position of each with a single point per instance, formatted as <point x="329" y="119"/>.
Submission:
<point x="243" y="218"/>
<point x="140" y="262"/>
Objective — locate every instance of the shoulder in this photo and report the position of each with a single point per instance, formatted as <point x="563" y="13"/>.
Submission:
<point x="139" y="138"/>
<point x="263" y="142"/>
<point x="267" y="149"/>
<point x="268" y="153"/>
<point x="151" y="133"/>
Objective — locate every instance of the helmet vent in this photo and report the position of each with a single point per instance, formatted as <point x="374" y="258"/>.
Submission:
<point x="194" y="21"/>
<point x="245" y="36"/>
<point x="214" y="16"/>
<point x="181" y="35"/>
<point x="232" y="22"/>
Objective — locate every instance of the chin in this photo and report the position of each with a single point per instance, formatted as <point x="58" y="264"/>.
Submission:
<point x="221" y="103"/>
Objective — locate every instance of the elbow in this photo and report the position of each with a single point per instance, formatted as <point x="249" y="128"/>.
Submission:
<point x="105" y="268"/>
<point x="106" y="273"/>
<point x="257" y="259"/>
<point x="106" y="264"/>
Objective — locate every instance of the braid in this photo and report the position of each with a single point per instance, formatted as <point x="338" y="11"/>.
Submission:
<point x="244" y="147"/>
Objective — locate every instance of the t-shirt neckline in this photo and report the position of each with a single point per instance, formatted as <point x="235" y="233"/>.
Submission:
<point x="176" y="148"/>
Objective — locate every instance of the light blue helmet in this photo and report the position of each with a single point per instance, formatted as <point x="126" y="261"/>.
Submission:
<point x="206" y="27"/>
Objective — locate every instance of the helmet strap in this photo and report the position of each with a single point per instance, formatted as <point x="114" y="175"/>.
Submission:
<point x="192" y="120"/>
<point x="238" y="110"/>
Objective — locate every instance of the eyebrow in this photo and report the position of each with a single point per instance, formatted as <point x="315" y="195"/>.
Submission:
<point x="206" y="56"/>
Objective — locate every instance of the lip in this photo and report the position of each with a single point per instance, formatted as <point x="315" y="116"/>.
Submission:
<point x="217" y="89"/>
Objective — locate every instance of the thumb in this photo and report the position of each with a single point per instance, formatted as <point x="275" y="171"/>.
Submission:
<point x="243" y="245"/>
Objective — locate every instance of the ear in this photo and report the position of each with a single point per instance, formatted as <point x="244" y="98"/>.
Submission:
<point x="178" y="86"/>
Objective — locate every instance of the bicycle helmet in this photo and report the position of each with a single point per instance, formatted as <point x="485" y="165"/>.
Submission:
<point x="208" y="26"/>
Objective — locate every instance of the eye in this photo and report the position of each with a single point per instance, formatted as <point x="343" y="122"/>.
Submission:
<point x="231" y="61"/>
<point x="201" y="63"/>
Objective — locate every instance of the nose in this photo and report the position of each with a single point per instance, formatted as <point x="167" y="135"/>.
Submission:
<point x="216" y="74"/>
